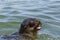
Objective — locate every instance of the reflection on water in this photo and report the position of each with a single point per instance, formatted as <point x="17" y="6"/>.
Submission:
<point x="12" y="12"/>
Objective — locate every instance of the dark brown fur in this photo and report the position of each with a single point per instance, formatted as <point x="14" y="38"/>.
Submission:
<point x="26" y="26"/>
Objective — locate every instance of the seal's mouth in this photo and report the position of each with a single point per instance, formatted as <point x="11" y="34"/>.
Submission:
<point x="38" y="28"/>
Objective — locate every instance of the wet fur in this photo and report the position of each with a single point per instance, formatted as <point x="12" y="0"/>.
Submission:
<point x="26" y="24"/>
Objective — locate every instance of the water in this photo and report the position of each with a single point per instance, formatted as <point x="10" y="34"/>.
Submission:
<point x="12" y="13"/>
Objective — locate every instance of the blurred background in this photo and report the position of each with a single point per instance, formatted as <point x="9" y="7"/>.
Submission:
<point x="13" y="12"/>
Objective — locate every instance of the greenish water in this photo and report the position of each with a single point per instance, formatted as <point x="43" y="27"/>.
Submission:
<point x="13" y="12"/>
<point x="9" y="27"/>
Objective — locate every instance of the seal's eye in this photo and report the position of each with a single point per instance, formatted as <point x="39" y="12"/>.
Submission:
<point x="31" y="25"/>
